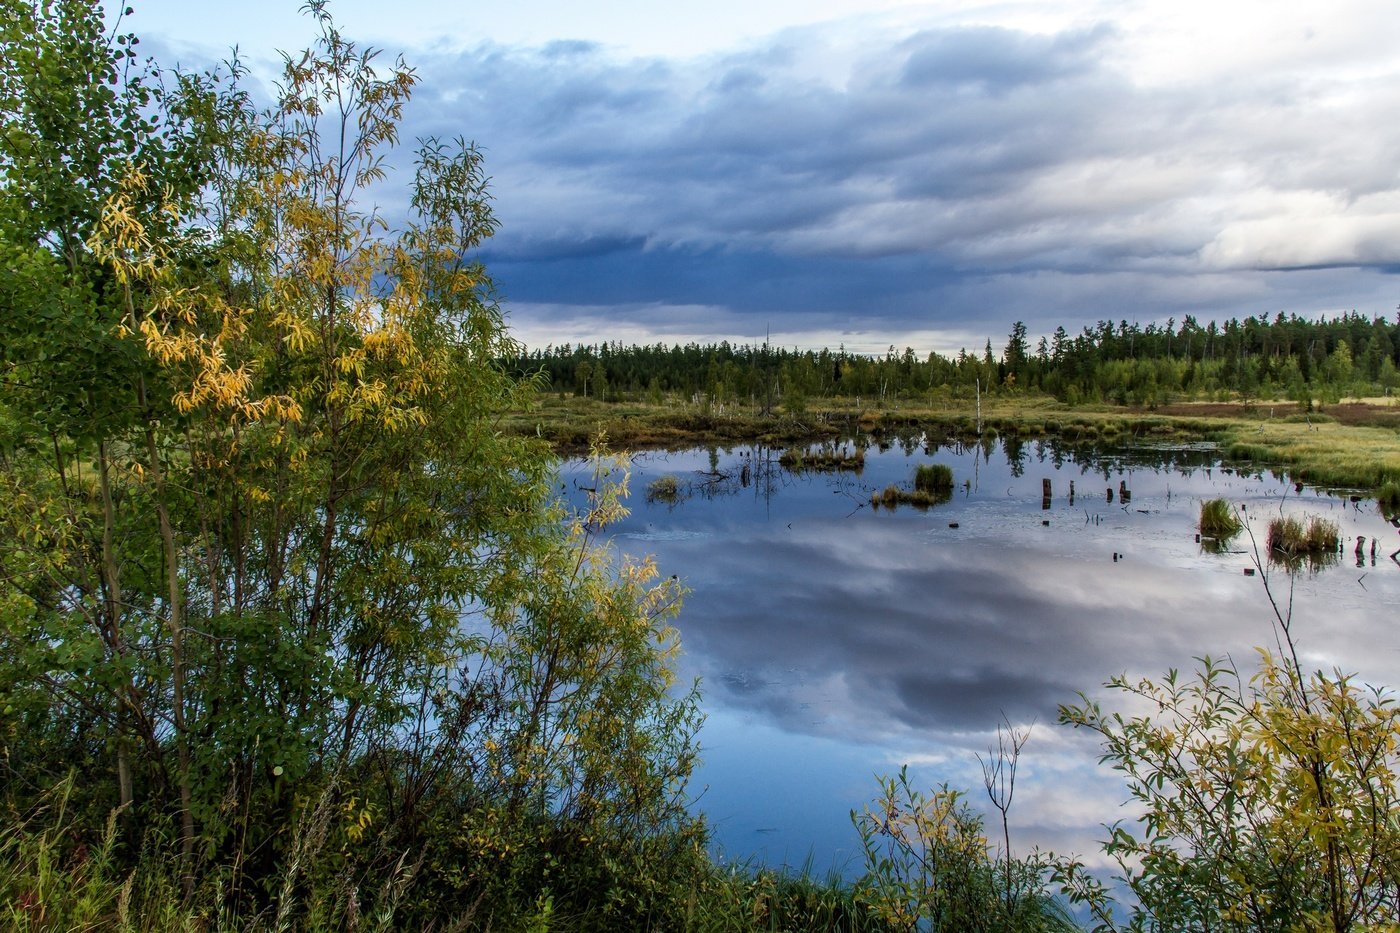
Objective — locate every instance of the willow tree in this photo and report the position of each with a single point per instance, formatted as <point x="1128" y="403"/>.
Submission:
<point x="265" y="544"/>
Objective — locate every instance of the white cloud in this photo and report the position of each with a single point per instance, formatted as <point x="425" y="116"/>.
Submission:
<point x="909" y="168"/>
<point x="1290" y="229"/>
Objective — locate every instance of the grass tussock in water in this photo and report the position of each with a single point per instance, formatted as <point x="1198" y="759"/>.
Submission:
<point x="933" y="478"/>
<point x="1388" y="497"/>
<point x="1296" y="537"/>
<point x="933" y="485"/>
<point x="1218" y="520"/>
<point x="664" y="488"/>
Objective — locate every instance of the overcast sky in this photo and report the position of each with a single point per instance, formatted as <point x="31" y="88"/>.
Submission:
<point x="886" y="172"/>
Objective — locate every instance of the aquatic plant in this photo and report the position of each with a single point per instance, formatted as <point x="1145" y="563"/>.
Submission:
<point x="1293" y="537"/>
<point x="664" y="488"/>
<point x="1388" y="497"/>
<point x="892" y="496"/>
<point x="933" y="478"/>
<point x="1218" y="520"/>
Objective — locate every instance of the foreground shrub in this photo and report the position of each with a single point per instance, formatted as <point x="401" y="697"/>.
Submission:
<point x="929" y="866"/>
<point x="271" y="575"/>
<point x="1268" y="803"/>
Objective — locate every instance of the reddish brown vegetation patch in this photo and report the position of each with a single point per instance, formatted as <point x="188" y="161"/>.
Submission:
<point x="1243" y="410"/>
<point x="1356" y="413"/>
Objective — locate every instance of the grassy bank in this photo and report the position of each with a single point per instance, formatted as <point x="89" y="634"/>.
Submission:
<point x="1355" y="445"/>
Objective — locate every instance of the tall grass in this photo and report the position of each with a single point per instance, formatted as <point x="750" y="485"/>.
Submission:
<point x="1218" y="520"/>
<point x="1294" y="537"/>
<point x="1388" y="497"/>
<point x="53" y="878"/>
<point x="933" y="478"/>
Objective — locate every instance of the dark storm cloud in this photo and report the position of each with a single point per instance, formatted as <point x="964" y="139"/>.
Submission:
<point x="743" y="280"/>
<point x="921" y="181"/>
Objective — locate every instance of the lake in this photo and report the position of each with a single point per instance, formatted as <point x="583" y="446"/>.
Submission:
<point x="835" y="641"/>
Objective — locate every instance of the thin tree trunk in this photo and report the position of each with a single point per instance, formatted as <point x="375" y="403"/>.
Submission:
<point x="175" y="621"/>
<point x="112" y="609"/>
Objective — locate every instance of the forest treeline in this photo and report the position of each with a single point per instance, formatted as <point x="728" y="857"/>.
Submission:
<point x="1288" y="356"/>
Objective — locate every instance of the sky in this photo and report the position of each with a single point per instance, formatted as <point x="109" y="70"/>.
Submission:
<point x="890" y="173"/>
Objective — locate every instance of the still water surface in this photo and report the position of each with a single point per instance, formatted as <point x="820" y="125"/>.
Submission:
<point x="834" y="641"/>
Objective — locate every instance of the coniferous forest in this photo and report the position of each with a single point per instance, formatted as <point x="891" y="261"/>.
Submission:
<point x="1124" y="363"/>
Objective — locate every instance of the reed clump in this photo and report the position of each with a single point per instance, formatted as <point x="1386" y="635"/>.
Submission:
<point x="933" y="485"/>
<point x="888" y="497"/>
<point x="1218" y="520"/>
<point x="1388" y="497"/>
<point x="1295" y="537"/>
<point x="933" y="478"/>
<point x="664" y="488"/>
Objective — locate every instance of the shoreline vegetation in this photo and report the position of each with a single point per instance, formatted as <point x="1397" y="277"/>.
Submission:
<point x="1353" y="445"/>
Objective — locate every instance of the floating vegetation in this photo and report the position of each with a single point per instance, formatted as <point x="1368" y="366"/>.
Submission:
<point x="1218" y="520"/>
<point x="1294" y="537"/>
<point x="826" y="461"/>
<point x="934" y="478"/>
<point x="664" y="489"/>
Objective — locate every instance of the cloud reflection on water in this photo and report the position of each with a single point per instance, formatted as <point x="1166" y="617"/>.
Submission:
<point x="884" y="633"/>
<point x="832" y="644"/>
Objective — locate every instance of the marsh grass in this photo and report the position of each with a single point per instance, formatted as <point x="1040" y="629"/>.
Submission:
<point x="933" y="485"/>
<point x="665" y="488"/>
<point x="933" y="478"/>
<point x="1291" y="536"/>
<point x="1218" y="520"/>
<point x="1388" y="497"/>
<point x="56" y="877"/>
<point x="1252" y="453"/>
<point x="1355" y="451"/>
<point x="744" y="897"/>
